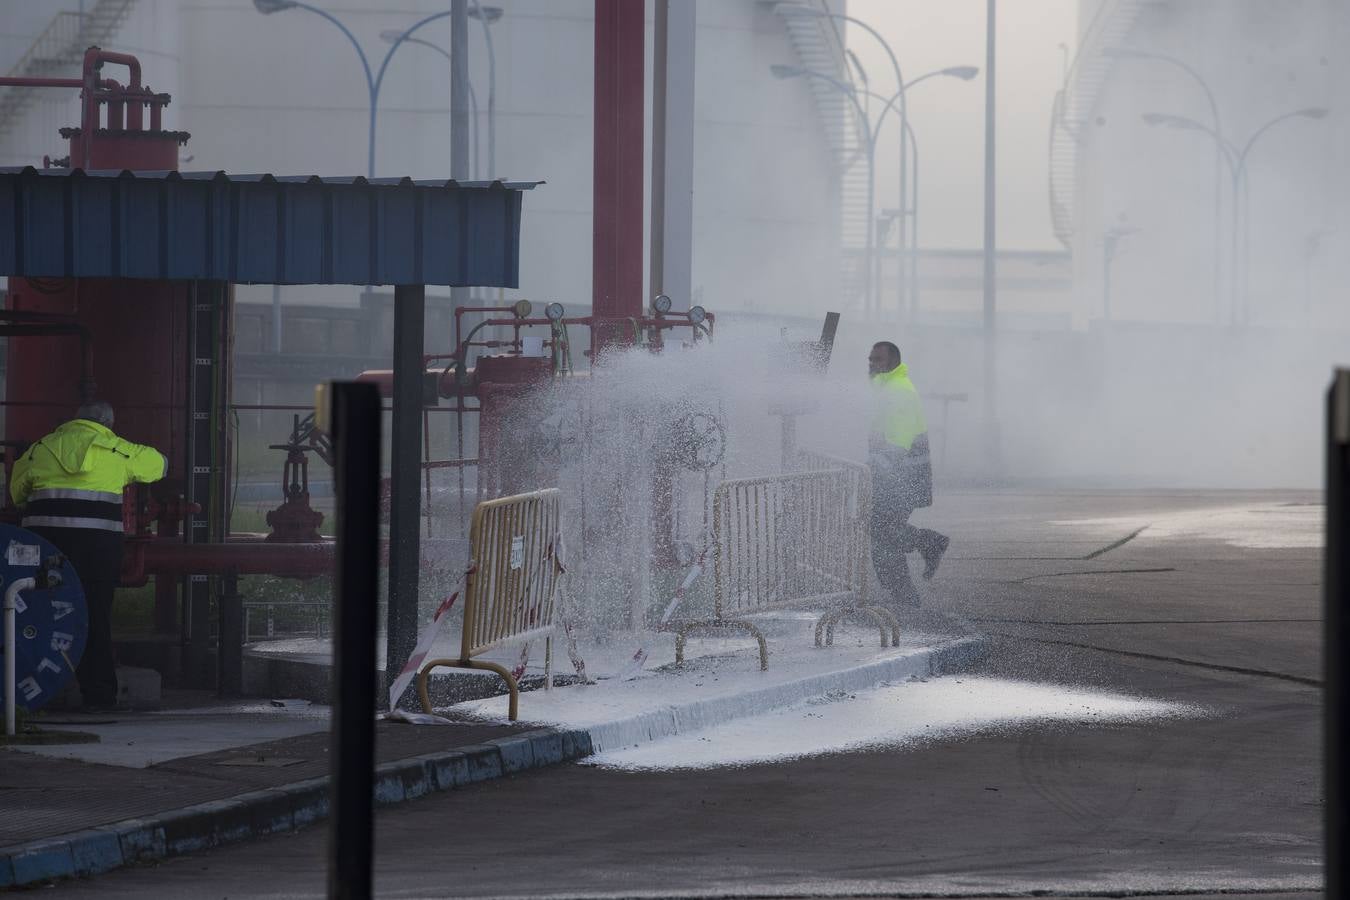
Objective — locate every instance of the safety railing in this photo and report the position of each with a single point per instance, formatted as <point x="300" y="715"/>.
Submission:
<point x="796" y="539"/>
<point x="510" y="591"/>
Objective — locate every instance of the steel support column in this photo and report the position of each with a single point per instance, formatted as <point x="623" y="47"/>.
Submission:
<point x="405" y="465"/>
<point x="355" y="428"/>
<point x="616" y="286"/>
<point x="1336" y="632"/>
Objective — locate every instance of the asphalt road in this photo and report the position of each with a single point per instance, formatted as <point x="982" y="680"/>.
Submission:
<point x="1230" y="801"/>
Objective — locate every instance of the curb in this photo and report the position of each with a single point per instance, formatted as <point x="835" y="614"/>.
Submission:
<point x="671" y="720"/>
<point x="275" y="810"/>
<point x="290" y="807"/>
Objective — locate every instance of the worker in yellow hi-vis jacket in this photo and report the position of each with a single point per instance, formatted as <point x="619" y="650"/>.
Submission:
<point x="70" y="485"/>
<point x="902" y="476"/>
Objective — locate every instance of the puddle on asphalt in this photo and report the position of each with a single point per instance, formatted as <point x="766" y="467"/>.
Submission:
<point x="897" y="715"/>
<point x="1259" y="526"/>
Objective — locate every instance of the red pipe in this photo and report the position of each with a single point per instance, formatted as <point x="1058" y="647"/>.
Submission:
<point x="246" y="557"/>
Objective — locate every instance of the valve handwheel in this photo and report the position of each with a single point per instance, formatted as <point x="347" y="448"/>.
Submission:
<point x="699" y="441"/>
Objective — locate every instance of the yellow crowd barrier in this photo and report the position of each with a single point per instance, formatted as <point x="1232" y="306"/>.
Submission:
<point x="509" y="594"/>
<point x="796" y="539"/>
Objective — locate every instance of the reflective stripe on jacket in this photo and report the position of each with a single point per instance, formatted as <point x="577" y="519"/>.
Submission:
<point x="74" y="477"/>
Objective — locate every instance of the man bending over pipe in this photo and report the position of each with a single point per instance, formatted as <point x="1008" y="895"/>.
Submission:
<point x="70" y="484"/>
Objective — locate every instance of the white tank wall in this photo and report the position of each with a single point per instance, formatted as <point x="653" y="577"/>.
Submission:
<point x="1260" y="61"/>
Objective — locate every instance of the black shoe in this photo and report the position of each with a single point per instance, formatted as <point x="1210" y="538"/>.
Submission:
<point x="933" y="560"/>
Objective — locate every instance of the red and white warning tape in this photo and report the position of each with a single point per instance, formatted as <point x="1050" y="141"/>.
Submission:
<point x="424" y="642"/>
<point x="640" y="657"/>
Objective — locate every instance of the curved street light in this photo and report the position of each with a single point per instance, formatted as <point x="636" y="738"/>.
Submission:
<point x="1141" y="55"/>
<point x="797" y="9"/>
<point x="1237" y="162"/>
<point x="781" y="71"/>
<point x="910" y="236"/>
<point x="392" y="35"/>
<point x="373" y="81"/>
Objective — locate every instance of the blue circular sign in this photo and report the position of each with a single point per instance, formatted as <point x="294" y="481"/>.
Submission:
<point x="51" y="625"/>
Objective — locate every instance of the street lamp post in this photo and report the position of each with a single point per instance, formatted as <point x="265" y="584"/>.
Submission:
<point x="373" y="81"/>
<point x="965" y="73"/>
<point x="1126" y="53"/>
<point x="486" y="15"/>
<point x="796" y="9"/>
<point x="393" y="34"/>
<point x="870" y="145"/>
<point x="1237" y="163"/>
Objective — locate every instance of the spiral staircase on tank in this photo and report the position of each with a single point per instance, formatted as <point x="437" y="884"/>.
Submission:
<point x="1075" y="105"/>
<point x="58" y="52"/>
<point x="819" y="47"/>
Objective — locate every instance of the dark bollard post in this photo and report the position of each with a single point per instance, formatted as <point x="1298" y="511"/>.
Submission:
<point x="1336" y="630"/>
<point x="230" y="638"/>
<point x="355" y="430"/>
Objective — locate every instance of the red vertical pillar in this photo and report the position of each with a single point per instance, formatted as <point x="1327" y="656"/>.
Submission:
<point x="617" y="243"/>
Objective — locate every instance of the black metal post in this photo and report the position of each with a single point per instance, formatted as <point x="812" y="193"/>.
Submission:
<point x="1336" y="631"/>
<point x="356" y="448"/>
<point x="230" y="638"/>
<point x="405" y="452"/>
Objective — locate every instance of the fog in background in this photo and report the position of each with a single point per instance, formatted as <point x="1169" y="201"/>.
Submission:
<point x="1180" y="385"/>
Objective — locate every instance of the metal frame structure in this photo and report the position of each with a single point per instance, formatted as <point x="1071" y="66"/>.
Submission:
<point x="510" y="590"/>
<point x="791" y="540"/>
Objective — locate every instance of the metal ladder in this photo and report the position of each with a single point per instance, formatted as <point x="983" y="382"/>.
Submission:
<point x="58" y="52"/>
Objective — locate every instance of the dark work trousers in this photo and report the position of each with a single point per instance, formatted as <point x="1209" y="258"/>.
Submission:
<point x="893" y="538"/>
<point x="97" y="558"/>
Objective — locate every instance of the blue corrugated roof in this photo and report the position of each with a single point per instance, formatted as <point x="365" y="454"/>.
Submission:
<point x="267" y="229"/>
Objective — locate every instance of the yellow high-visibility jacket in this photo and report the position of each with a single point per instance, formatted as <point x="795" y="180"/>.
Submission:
<point x="74" y="477"/>
<point x="902" y="472"/>
<point x="900" y="413"/>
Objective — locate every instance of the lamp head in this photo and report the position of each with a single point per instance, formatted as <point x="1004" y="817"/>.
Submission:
<point x="965" y="73"/>
<point x="1172" y="121"/>
<point x="1314" y="112"/>
<point x="787" y="71"/>
<point x="267" y="7"/>
<point x="488" y="14"/>
<point x="391" y="35"/>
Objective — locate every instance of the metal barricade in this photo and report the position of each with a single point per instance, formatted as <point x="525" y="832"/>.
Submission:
<point x="796" y="539"/>
<point x="510" y="591"/>
<point x="860" y="482"/>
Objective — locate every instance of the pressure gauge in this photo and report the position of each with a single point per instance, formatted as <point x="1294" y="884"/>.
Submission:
<point x="697" y="314"/>
<point x="522" y="309"/>
<point x="661" y="303"/>
<point x="554" y="312"/>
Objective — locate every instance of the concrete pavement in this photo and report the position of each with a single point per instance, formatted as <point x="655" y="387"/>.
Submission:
<point x="1230" y="802"/>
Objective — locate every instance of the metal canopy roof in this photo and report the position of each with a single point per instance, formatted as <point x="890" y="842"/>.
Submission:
<point x="265" y="229"/>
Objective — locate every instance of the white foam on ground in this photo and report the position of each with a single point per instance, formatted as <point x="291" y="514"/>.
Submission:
<point x="895" y="715"/>
<point x="1262" y="526"/>
<point x="711" y="691"/>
